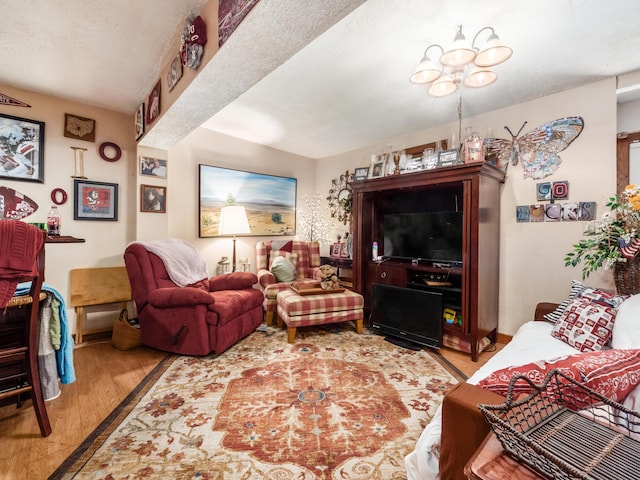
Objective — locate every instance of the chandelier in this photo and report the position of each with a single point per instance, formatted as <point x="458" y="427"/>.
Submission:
<point x="446" y="75"/>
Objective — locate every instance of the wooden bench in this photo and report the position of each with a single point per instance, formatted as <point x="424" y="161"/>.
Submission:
<point x="97" y="286"/>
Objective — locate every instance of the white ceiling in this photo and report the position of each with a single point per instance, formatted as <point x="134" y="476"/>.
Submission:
<point x="315" y="78"/>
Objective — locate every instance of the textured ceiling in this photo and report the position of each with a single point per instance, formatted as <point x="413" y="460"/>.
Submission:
<point x="313" y="78"/>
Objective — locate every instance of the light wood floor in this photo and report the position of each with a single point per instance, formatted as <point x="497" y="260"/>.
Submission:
<point x="105" y="376"/>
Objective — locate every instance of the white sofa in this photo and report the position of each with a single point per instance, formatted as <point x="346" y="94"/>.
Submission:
<point x="532" y="342"/>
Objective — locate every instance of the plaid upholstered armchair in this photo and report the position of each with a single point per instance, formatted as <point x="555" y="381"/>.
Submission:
<point x="304" y="256"/>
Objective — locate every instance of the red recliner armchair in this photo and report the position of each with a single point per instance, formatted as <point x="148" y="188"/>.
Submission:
<point x="207" y="316"/>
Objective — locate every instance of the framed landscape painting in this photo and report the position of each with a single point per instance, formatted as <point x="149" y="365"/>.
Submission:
<point x="269" y="200"/>
<point x="21" y="149"/>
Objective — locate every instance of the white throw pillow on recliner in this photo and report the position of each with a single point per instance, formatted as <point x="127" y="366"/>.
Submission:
<point x="626" y="328"/>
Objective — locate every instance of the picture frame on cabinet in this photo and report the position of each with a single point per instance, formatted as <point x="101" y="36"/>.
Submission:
<point x="361" y="173"/>
<point x="448" y="158"/>
<point x="336" y="249"/>
<point x="378" y="169"/>
<point x="95" y="200"/>
<point x="22" y="147"/>
<point x="153" y="199"/>
<point x="473" y="153"/>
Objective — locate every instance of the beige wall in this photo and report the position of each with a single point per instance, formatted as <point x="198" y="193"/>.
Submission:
<point x="532" y="267"/>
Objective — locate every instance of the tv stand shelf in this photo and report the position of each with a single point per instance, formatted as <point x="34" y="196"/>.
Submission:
<point x="474" y="190"/>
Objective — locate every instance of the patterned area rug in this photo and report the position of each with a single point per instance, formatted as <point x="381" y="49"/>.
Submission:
<point x="334" y="405"/>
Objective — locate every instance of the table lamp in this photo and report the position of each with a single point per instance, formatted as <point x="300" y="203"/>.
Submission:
<point x="233" y="221"/>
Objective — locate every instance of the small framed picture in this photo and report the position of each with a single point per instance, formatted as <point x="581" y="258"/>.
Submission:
<point x="447" y="158"/>
<point x="152" y="167"/>
<point x="175" y="72"/>
<point x="153" y="199"/>
<point x="336" y="249"/>
<point x="95" y="200"/>
<point x="153" y="105"/>
<point x="377" y="170"/>
<point x="139" y="121"/>
<point x="473" y="153"/>
<point x="361" y="173"/>
<point x="80" y="128"/>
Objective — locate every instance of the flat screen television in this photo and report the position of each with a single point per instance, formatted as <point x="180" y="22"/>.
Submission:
<point x="432" y="236"/>
<point x="409" y="315"/>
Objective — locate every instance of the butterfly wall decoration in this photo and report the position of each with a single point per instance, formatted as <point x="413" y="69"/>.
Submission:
<point x="537" y="150"/>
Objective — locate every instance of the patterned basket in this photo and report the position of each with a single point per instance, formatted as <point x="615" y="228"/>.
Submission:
<point x="125" y="335"/>
<point x="626" y="276"/>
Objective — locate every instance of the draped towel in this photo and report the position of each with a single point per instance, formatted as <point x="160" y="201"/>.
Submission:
<point x="183" y="261"/>
<point x="19" y="246"/>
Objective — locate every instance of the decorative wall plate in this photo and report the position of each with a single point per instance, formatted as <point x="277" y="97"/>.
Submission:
<point x="110" y="152"/>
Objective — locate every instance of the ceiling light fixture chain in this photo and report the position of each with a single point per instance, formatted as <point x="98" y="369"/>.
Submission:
<point x="445" y="76"/>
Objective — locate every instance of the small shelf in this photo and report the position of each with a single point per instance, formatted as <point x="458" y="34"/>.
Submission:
<point x="64" y="239"/>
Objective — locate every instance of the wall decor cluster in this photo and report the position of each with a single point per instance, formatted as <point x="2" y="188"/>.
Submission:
<point x="269" y="200"/>
<point x="21" y="149"/>
<point x="95" y="200"/>
<point x="152" y="167"/>
<point x="80" y="128"/>
<point x="555" y="212"/>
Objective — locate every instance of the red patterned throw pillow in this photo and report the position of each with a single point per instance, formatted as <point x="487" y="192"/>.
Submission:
<point x="612" y="373"/>
<point x="585" y="325"/>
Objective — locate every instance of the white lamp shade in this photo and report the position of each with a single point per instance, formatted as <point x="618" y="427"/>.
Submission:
<point x="233" y="221"/>
<point x="480" y="77"/>
<point x="425" y="72"/>
<point x="494" y="52"/>
<point x="442" y="87"/>
<point x="459" y="53"/>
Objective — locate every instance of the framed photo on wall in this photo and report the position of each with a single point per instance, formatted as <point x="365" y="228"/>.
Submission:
<point x="95" y="200"/>
<point x="152" y="167"/>
<point x="153" y="105"/>
<point x="269" y="200"/>
<point x="153" y="199"/>
<point x="22" y="149"/>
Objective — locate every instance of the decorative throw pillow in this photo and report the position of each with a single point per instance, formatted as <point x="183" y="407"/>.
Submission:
<point x="626" y="329"/>
<point x="283" y="269"/>
<point x="574" y="291"/>
<point x="612" y="373"/>
<point x="585" y="325"/>
<point x="601" y="296"/>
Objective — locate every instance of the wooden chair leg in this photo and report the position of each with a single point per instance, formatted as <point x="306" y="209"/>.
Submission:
<point x="359" y="325"/>
<point x="291" y="334"/>
<point x="79" y="324"/>
<point x="268" y="316"/>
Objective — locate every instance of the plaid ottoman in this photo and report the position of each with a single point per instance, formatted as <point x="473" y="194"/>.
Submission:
<point x="306" y="310"/>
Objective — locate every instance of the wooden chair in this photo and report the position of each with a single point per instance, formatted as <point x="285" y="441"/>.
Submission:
<point x="97" y="286"/>
<point x="19" y="332"/>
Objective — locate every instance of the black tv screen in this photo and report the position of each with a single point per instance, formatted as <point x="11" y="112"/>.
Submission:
<point x="435" y="236"/>
<point x="409" y="314"/>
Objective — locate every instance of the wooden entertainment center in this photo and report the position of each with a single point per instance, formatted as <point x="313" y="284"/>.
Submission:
<point x="470" y="286"/>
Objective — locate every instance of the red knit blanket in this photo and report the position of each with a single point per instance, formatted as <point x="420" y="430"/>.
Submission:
<point x="19" y="246"/>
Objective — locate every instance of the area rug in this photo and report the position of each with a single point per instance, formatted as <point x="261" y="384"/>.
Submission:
<point x="333" y="405"/>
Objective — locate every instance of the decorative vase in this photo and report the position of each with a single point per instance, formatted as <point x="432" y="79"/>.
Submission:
<point x="626" y="276"/>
